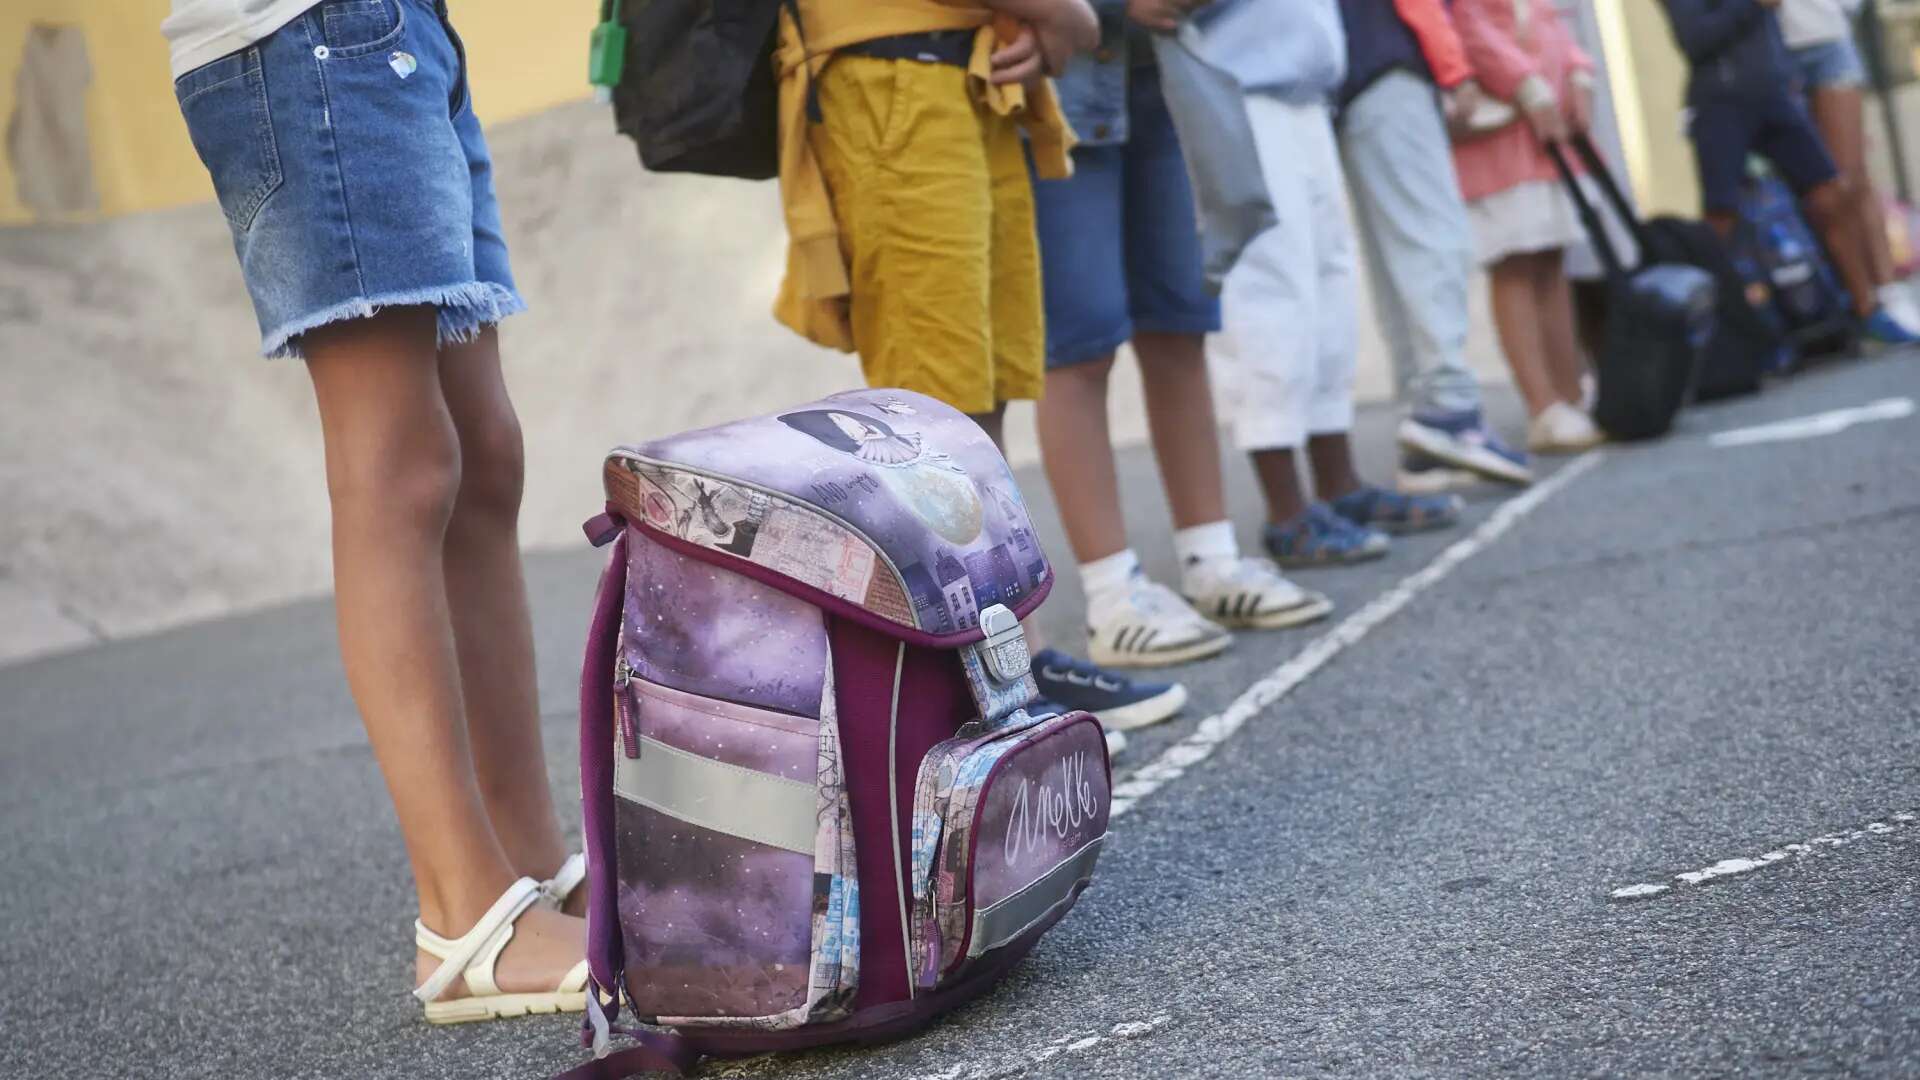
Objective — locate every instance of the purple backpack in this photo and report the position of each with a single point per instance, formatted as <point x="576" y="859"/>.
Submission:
<point x="817" y="807"/>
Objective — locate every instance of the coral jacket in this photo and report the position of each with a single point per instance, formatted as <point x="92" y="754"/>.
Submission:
<point x="1439" y="42"/>
<point x="1522" y="53"/>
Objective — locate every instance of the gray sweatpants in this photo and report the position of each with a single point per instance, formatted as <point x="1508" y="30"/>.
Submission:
<point x="1415" y="237"/>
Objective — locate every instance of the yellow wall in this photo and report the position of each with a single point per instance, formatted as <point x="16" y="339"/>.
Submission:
<point x="525" y="57"/>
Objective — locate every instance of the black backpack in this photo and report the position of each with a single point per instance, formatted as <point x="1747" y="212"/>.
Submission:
<point x="1748" y="337"/>
<point x="1659" y="316"/>
<point x="697" y="90"/>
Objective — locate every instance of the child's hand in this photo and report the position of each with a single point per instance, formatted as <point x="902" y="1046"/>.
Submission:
<point x="1069" y="27"/>
<point x="1018" y="59"/>
<point x="1547" y="122"/>
<point x="1162" y="16"/>
<point x="1579" y="109"/>
<point x="1060" y="27"/>
<point x="1460" y="102"/>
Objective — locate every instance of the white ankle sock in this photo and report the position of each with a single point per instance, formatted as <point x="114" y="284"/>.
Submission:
<point x="1894" y="297"/>
<point x="1106" y="582"/>
<point x="1203" y="545"/>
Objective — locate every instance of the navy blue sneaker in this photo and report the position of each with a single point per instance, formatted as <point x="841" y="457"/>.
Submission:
<point x="1881" y="330"/>
<point x="1446" y="449"/>
<point x="1321" y="537"/>
<point x="1116" y="740"/>
<point x="1119" y="703"/>
<point x="1394" y="512"/>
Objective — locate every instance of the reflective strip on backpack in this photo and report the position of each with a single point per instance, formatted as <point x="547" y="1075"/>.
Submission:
<point x="756" y="806"/>
<point x="1002" y="922"/>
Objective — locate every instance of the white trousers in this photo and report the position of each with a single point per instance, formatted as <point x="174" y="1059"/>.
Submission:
<point x="1288" y="304"/>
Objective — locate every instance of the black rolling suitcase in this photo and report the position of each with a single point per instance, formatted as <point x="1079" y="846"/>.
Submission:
<point x="1747" y="337"/>
<point x="1659" y="319"/>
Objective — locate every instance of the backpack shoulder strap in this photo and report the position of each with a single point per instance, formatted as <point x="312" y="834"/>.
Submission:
<point x="596" y="776"/>
<point x="653" y="1051"/>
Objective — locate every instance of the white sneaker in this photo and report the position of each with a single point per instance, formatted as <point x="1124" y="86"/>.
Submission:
<point x="1153" y="627"/>
<point x="1899" y="304"/>
<point x="1251" y="593"/>
<point x="1116" y="740"/>
<point x="1562" y="429"/>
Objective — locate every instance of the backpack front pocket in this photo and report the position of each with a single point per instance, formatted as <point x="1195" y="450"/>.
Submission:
<point x="736" y="892"/>
<point x="1007" y="825"/>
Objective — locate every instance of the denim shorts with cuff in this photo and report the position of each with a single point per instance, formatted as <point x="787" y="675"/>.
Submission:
<point x="1120" y="251"/>
<point x="352" y="171"/>
<point x="1833" y="63"/>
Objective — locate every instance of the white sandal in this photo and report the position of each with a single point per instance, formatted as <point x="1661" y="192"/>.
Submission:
<point x="474" y="955"/>
<point x="569" y="877"/>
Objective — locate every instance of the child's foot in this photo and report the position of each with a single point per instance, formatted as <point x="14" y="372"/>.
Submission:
<point x="1463" y="441"/>
<point x="1321" y="537"/>
<point x="1150" y="626"/>
<point x="1881" y="330"/>
<point x="545" y="946"/>
<point x="1562" y="429"/>
<point x="1119" y="703"/>
<point x="1421" y="473"/>
<point x="1393" y="512"/>
<point x="1250" y="594"/>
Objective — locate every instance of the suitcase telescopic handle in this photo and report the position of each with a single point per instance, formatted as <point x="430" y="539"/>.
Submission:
<point x="1589" y="215"/>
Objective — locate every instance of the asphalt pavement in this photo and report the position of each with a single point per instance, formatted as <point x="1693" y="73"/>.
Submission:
<point x="1691" y="667"/>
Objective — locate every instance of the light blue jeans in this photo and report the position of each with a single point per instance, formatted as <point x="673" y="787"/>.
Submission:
<point x="1415" y="236"/>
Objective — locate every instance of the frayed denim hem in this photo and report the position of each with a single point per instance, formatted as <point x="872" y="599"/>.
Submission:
<point x="462" y="311"/>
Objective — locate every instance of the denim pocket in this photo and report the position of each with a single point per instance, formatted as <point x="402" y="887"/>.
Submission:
<point x="362" y="27"/>
<point x="345" y="24"/>
<point x="225" y="107"/>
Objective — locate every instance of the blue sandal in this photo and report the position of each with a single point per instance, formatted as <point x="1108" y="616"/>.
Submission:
<point x="1396" y="512"/>
<point x="1321" y="537"/>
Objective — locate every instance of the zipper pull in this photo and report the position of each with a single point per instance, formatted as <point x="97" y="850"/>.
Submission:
<point x="624" y="707"/>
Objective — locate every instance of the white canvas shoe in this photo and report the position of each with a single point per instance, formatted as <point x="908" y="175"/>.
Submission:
<point x="1562" y="429"/>
<point x="1251" y="594"/>
<point x="1153" y="627"/>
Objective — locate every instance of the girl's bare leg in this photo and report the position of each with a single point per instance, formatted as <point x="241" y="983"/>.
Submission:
<point x="487" y="599"/>
<point x="1077" y="452"/>
<point x="1565" y="365"/>
<point x="1516" y="318"/>
<point x="1180" y="416"/>
<point x="1840" y="116"/>
<point x="393" y="475"/>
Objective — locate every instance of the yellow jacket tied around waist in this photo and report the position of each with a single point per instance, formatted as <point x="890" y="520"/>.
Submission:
<point x="813" y="298"/>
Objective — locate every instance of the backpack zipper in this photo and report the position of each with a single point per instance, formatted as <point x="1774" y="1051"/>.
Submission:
<point x="624" y="707"/>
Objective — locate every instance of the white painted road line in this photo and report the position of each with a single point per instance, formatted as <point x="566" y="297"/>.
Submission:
<point x="1066" y="1044"/>
<point x="1217" y="729"/>
<point x="1817" y="424"/>
<point x="1725" y="868"/>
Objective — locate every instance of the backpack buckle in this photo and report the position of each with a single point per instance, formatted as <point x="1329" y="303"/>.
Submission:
<point x="1005" y="645"/>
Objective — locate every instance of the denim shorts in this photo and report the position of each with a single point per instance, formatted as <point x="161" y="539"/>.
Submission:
<point x="1830" y="63"/>
<point x="1775" y="126"/>
<point x="352" y="172"/>
<point x="1119" y="249"/>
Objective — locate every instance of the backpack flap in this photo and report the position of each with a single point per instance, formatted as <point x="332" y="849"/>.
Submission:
<point x="884" y="507"/>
